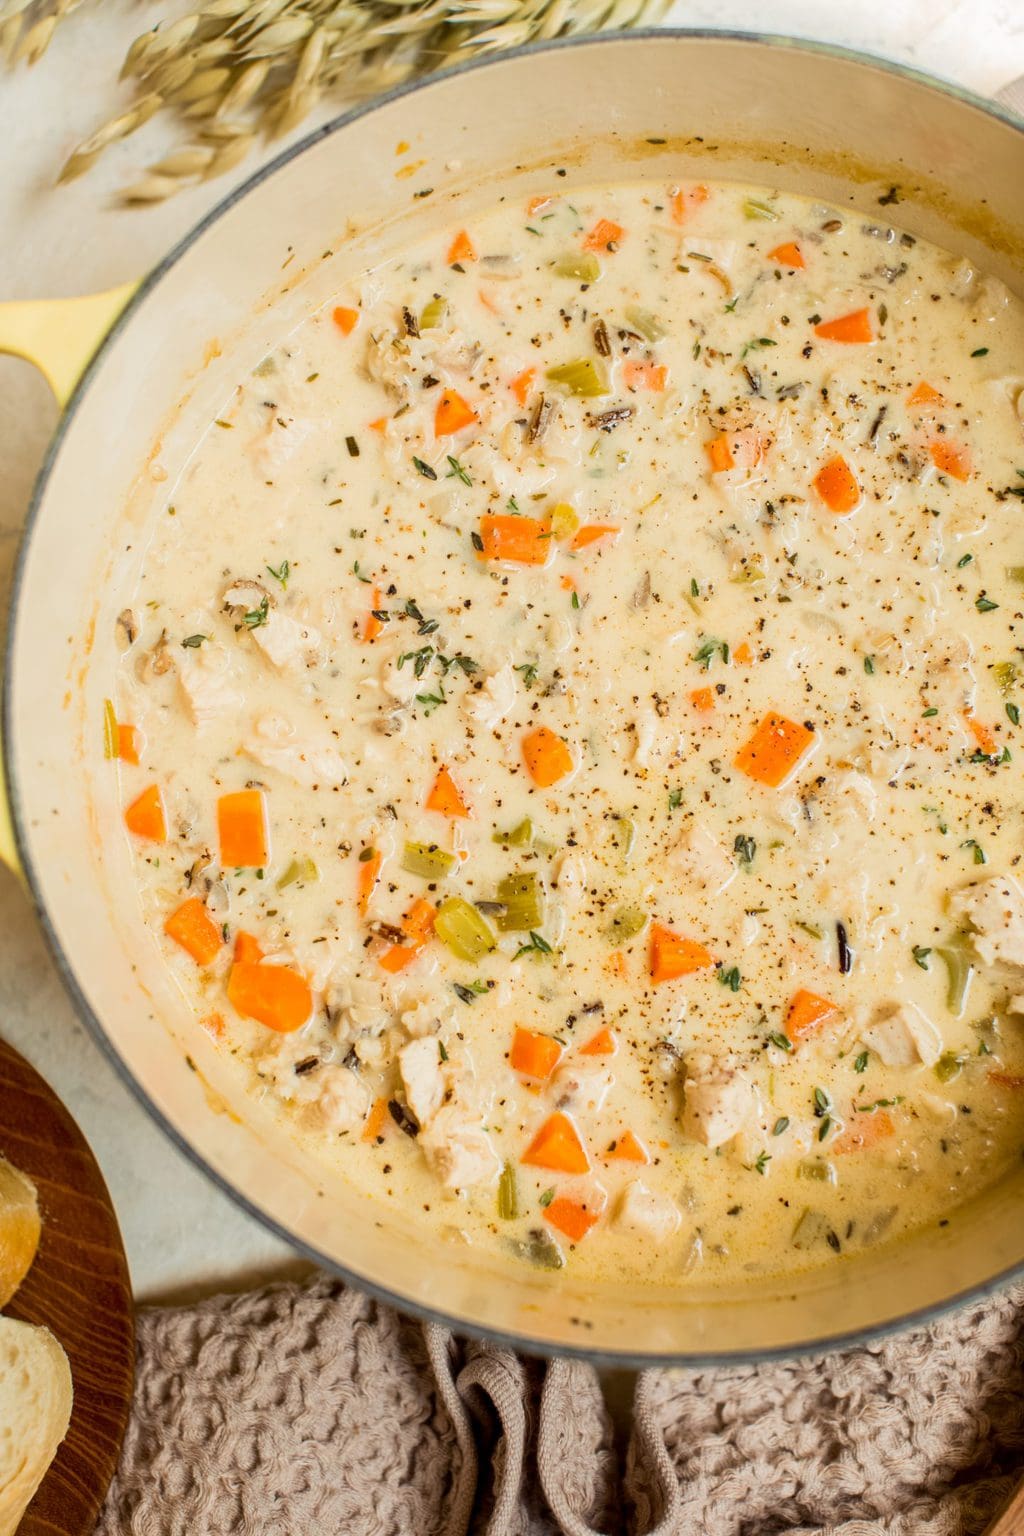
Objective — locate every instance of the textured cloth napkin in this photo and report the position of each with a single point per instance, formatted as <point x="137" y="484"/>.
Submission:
<point x="314" y="1411"/>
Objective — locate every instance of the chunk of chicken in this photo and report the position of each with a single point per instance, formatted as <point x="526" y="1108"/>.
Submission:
<point x="720" y="1100"/>
<point x="583" y="1083"/>
<point x="205" y="674"/>
<point x="419" y="1062"/>
<point x="343" y="1100"/>
<point x="645" y="1214"/>
<point x="425" y="1017"/>
<point x="283" y="640"/>
<point x="994" y="910"/>
<point x="458" y="1148"/>
<point x="902" y="1036"/>
<point x="274" y="743"/>
<point x="702" y="861"/>
<point x="490" y="703"/>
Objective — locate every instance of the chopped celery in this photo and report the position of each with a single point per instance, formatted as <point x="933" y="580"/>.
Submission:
<point x="755" y="209"/>
<point x="463" y="930"/>
<point x="111" y="738"/>
<point x="1005" y="675"/>
<point x="428" y="860"/>
<point x="522" y="897"/>
<point x="812" y="1228"/>
<point x="433" y="313"/>
<point x="956" y="957"/>
<point x="649" y="326"/>
<point x="949" y="1066"/>
<point x="816" y="1168"/>
<point x="747" y="576"/>
<point x="624" y="835"/>
<point x="521" y="836"/>
<point x="583" y="376"/>
<point x="508" y="1193"/>
<point x="1016" y="573"/>
<point x="303" y="870"/>
<point x="626" y="923"/>
<point x="583" y="265"/>
<point x="564" y="521"/>
<point x="539" y="1248"/>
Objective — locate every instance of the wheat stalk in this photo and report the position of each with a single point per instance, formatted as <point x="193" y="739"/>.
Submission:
<point x="239" y="70"/>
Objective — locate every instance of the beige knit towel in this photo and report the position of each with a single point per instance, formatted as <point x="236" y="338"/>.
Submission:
<point x="313" y="1411"/>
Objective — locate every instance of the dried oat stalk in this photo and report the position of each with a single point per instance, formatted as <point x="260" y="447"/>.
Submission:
<point x="240" y="70"/>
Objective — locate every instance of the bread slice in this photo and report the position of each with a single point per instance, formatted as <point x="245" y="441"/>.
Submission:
<point x="35" y="1410"/>
<point x="19" y="1228"/>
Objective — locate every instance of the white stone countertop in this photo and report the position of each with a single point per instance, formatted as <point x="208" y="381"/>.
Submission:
<point x="183" y="1236"/>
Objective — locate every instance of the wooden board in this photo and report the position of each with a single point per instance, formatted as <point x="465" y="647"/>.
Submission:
<point x="79" y="1288"/>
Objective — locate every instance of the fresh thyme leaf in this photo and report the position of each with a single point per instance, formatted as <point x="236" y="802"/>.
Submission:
<point x="282" y="573"/>
<point x="869" y="665"/>
<point x="920" y="955"/>
<point x="425" y="470"/>
<point x="193" y="642"/>
<point x="1013" y="714"/>
<point x="782" y="1041"/>
<point x="257" y="617"/>
<point x="861" y="1063"/>
<point x="529" y="671"/>
<point x="457" y="472"/>
<point x="431" y="701"/>
<point x="731" y="978"/>
<point x="675" y="799"/>
<point x="985" y="604"/>
<point x="745" y="848"/>
<point x="706" y="654"/>
<point x="536" y="946"/>
<point x="781" y="1124"/>
<point x="980" y="352"/>
<point x="761" y="1163"/>
<point x="357" y="573"/>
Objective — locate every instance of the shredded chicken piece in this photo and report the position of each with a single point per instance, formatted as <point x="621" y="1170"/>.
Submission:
<point x="583" y="1083"/>
<point x="275" y="744"/>
<point x="205" y="674"/>
<point x="994" y="910"/>
<point x="902" y="1036"/>
<point x="645" y="1214"/>
<point x="702" y="861"/>
<point x="283" y="640"/>
<point x="458" y="1148"/>
<point x="343" y="1101"/>
<point x="494" y="700"/>
<point x="419" y="1062"/>
<point x="720" y="1100"/>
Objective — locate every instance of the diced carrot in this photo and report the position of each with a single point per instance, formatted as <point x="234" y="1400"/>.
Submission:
<point x="372" y="626"/>
<point x="603" y="1043"/>
<point x="558" y="1146"/>
<point x="194" y="929"/>
<point x="129" y="743"/>
<point x="567" y="584"/>
<point x="672" y="956"/>
<point x="534" y="1055"/>
<point x="416" y="925"/>
<point x="547" y="757"/>
<point x="864" y="1131"/>
<point x="213" y="1023"/>
<point x="1005" y="1079"/>
<point x="379" y="424"/>
<point x="628" y="1148"/>
<point x="445" y="798"/>
<point x="273" y="995"/>
<point x="145" y="816"/>
<point x="703" y="699"/>
<point x="950" y="459"/>
<point x="606" y="235"/>
<point x="684" y="202"/>
<point x="242" y="829"/>
<point x="523" y="540"/>
<point x="837" y="486"/>
<point x="854" y="327"/>
<point x="522" y="384"/>
<point x="573" y="1218"/>
<point x="489" y="302"/>
<point x="453" y="414"/>
<point x="370" y="861"/>
<point x="616" y="963"/>
<point x="925" y="394"/>
<point x="807" y="1015"/>
<point x="247" y="948"/>
<point x="774" y="750"/>
<point x="461" y="249"/>
<point x="641" y="375"/>
<point x="345" y="319"/>
<point x="743" y="654"/>
<point x="376" y="1120"/>
<point x="590" y="533"/>
<point x="983" y="736"/>
<point x="788" y="255"/>
<point x="720" y="453"/>
<point x="538" y="204"/>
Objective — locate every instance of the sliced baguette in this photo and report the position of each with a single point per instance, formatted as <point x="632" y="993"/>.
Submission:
<point x="35" y="1410"/>
<point x="19" y="1228"/>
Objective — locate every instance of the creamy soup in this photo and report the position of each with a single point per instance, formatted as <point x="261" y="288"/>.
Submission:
<point x="569" y="731"/>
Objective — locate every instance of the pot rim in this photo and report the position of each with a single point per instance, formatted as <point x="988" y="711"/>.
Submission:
<point x="606" y="1358"/>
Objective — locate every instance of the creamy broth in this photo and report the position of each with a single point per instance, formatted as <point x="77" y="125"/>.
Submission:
<point x="605" y="621"/>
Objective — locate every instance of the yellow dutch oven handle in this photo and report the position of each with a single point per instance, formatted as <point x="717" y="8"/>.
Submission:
<point x="60" y="337"/>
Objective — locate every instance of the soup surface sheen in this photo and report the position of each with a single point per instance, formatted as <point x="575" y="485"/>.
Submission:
<point x="569" y="732"/>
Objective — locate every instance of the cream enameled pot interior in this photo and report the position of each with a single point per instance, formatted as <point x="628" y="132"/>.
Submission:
<point x="663" y="105"/>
